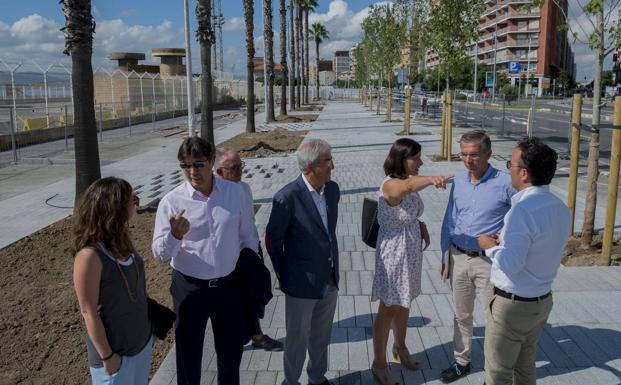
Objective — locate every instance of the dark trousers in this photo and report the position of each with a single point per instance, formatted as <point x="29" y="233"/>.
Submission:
<point x="195" y="301"/>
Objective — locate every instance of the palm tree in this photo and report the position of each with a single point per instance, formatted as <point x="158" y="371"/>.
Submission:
<point x="283" y="58"/>
<point x="309" y="6"/>
<point x="269" y="60"/>
<point x="298" y="42"/>
<point x="78" y="30"/>
<point x="292" y="78"/>
<point x="248" y="18"/>
<point x="319" y="33"/>
<point x="205" y="36"/>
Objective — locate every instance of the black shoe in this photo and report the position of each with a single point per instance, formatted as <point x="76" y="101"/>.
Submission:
<point x="269" y="344"/>
<point x="326" y="382"/>
<point x="454" y="372"/>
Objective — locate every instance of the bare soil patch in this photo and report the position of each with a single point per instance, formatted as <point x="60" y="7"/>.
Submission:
<point x="265" y="143"/>
<point x="41" y="329"/>
<point x="296" y="118"/>
<point x="575" y="255"/>
<point x="312" y="107"/>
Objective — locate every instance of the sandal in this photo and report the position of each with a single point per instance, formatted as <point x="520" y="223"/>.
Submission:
<point x="403" y="356"/>
<point x="383" y="375"/>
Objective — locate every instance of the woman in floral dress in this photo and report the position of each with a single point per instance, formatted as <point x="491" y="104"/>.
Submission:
<point x="399" y="254"/>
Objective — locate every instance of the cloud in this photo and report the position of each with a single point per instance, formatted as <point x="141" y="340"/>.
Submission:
<point x="38" y="38"/>
<point x="234" y="24"/>
<point x="128" y="12"/>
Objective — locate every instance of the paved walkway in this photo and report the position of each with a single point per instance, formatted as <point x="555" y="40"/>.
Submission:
<point x="581" y="344"/>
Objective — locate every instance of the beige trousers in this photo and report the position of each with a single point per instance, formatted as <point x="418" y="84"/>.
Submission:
<point x="467" y="274"/>
<point x="511" y="336"/>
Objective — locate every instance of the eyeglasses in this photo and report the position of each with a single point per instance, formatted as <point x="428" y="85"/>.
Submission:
<point x="474" y="155"/>
<point x="509" y="165"/>
<point x="237" y="167"/>
<point x="196" y="165"/>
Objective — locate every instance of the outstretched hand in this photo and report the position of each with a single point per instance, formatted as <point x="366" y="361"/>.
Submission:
<point x="440" y="181"/>
<point x="179" y="225"/>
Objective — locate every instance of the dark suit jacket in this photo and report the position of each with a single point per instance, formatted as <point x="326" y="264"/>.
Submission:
<point x="256" y="286"/>
<point x="301" y="249"/>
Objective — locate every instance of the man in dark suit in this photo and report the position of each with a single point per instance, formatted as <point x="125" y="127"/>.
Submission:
<point x="301" y="240"/>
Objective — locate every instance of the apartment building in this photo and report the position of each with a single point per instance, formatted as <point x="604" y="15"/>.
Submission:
<point x="324" y="66"/>
<point x="523" y="41"/>
<point x="341" y="62"/>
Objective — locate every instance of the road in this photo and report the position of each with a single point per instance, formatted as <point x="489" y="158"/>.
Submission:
<point x="552" y="126"/>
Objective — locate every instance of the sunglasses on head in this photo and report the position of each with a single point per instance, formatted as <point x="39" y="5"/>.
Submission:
<point x="196" y="165"/>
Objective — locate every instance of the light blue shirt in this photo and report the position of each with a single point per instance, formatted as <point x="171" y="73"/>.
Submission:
<point x="475" y="208"/>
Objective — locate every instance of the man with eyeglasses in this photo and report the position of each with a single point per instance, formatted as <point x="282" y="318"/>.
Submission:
<point x="201" y="226"/>
<point x="229" y="166"/>
<point x="525" y="258"/>
<point x="479" y="199"/>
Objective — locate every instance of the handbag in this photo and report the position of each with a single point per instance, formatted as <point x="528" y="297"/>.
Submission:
<point x="370" y="225"/>
<point x="162" y="317"/>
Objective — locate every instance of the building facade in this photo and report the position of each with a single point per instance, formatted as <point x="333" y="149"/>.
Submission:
<point x="523" y="41"/>
<point x="341" y="62"/>
<point x="324" y="66"/>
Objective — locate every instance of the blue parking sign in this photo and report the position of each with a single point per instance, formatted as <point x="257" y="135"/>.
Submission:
<point x="514" y="67"/>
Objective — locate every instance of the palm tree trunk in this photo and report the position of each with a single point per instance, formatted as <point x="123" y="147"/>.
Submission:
<point x="306" y="73"/>
<point x="248" y="16"/>
<point x="205" y="37"/>
<point x="292" y="79"/>
<point x="269" y="60"/>
<point x="79" y="29"/>
<point x="317" y="64"/>
<point x="298" y="41"/>
<point x="590" y="203"/>
<point x="284" y="71"/>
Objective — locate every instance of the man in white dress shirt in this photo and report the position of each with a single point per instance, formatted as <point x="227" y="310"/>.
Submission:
<point x="201" y="226"/>
<point x="525" y="258"/>
<point x="229" y="166"/>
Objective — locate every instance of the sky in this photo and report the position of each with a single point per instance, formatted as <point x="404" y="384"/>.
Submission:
<point x="29" y="30"/>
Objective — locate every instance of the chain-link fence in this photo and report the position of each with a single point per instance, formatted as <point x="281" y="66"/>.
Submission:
<point x="36" y="104"/>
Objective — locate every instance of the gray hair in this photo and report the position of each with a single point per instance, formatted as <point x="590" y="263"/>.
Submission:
<point x="221" y="154"/>
<point x="309" y="152"/>
<point x="479" y="137"/>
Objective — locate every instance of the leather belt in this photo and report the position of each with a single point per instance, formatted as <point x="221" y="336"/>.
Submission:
<point x="470" y="253"/>
<point x="504" y="294"/>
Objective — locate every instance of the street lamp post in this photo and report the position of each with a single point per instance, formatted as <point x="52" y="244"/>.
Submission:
<point x="495" y="55"/>
<point x="188" y="69"/>
<point x="264" y="65"/>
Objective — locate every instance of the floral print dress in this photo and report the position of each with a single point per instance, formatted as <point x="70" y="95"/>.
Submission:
<point x="399" y="253"/>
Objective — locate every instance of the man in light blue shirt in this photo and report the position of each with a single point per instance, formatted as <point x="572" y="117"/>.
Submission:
<point x="479" y="199"/>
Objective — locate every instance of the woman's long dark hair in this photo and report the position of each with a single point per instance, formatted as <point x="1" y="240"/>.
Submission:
<point x="401" y="149"/>
<point x="101" y="216"/>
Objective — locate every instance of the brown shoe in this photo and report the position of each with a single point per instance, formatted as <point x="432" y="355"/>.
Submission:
<point x="403" y="356"/>
<point x="383" y="375"/>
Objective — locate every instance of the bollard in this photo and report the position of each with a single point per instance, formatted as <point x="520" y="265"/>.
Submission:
<point x="443" y="128"/>
<point x="129" y="117"/>
<point x="449" y="125"/>
<point x="100" y="123"/>
<point x="574" y="158"/>
<point x="66" y="136"/>
<point x="613" y="185"/>
<point x="389" y="104"/>
<point x="503" y="117"/>
<point x="406" y="112"/>
<point x="13" y="113"/>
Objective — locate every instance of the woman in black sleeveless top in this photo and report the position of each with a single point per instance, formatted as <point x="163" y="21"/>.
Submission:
<point x="109" y="281"/>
